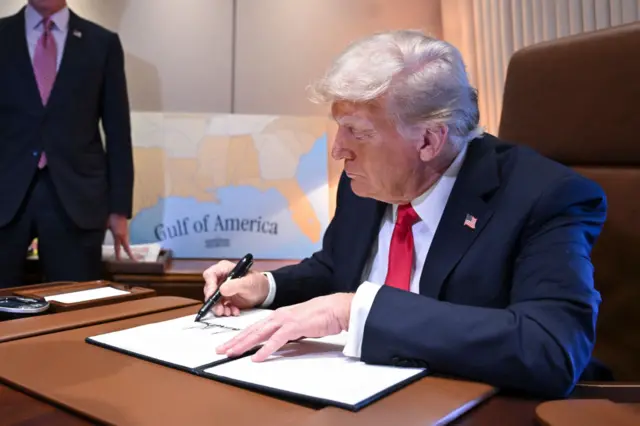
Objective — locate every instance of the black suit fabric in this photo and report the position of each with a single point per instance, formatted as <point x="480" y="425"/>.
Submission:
<point x="66" y="204"/>
<point x="511" y="302"/>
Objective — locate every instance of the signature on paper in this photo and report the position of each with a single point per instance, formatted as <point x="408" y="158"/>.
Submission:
<point x="216" y="328"/>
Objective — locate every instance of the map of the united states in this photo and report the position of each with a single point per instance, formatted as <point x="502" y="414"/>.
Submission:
<point x="224" y="185"/>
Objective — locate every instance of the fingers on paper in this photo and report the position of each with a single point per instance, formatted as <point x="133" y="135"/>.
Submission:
<point x="127" y="248"/>
<point x="280" y="338"/>
<point x="251" y="337"/>
<point x="117" y="247"/>
<point x="273" y="331"/>
<point x="248" y="338"/>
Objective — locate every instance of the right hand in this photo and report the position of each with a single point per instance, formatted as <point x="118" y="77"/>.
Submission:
<point x="241" y="293"/>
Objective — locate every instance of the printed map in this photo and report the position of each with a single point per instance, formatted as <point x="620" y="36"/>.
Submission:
<point x="224" y="185"/>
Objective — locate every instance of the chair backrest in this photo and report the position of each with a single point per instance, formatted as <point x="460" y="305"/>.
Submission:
<point x="577" y="101"/>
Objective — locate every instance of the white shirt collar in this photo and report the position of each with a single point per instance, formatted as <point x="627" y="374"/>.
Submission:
<point x="430" y="205"/>
<point x="34" y="19"/>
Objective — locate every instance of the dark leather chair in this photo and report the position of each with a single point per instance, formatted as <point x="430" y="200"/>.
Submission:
<point x="577" y="101"/>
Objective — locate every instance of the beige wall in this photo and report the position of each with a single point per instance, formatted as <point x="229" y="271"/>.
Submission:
<point x="283" y="45"/>
<point x="184" y="55"/>
<point x="177" y="57"/>
<point x="180" y="53"/>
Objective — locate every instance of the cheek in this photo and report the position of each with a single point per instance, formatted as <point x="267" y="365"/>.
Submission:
<point x="383" y="158"/>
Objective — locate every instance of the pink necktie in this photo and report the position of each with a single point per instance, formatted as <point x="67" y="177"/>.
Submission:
<point x="45" y="68"/>
<point x="401" y="250"/>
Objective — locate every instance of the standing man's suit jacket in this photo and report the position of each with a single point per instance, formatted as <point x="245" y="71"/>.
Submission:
<point x="511" y="302"/>
<point x="90" y="85"/>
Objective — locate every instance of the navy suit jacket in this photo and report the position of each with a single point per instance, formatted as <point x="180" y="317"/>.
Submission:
<point x="90" y="87"/>
<point x="510" y="303"/>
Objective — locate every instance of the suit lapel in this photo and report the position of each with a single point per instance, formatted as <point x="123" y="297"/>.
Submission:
<point x="478" y="177"/>
<point x="21" y="57"/>
<point x="71" y="57"/>
<point x="366" y="222"/>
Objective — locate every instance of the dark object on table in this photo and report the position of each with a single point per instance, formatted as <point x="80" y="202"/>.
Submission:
<point x="14" y="307"/>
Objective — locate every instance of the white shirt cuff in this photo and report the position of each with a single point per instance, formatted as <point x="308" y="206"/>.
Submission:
<point x="272" y="290"/>
<point x="360" y="307"/>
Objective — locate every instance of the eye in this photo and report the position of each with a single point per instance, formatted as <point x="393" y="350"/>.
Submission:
<point x="359" y="135"/>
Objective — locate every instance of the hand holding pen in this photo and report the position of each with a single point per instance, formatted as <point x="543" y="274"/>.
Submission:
<point x="244" y="292"/>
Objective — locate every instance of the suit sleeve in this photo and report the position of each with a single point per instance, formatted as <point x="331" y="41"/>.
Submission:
<point x="313" y="276"/>
<point x="116" y="122"/>
<point x="542" y="341"/>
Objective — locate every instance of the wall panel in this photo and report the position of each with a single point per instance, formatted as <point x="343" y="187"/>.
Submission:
<point x="283" y="45"/>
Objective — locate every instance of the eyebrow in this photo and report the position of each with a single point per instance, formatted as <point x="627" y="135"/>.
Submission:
<point x="354" y="121"/>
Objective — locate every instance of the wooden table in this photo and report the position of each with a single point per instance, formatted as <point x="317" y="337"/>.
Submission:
<point x="23" y="328"/>
<point x="111" y="387"/>
<point x="183" y="277"/>
<point x="90" y="369"/>
<point x="17" y="408"/>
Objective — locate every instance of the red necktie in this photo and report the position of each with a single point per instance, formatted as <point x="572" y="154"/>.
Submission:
<point x="45" y="67"/>
<point x="401" y="250"/>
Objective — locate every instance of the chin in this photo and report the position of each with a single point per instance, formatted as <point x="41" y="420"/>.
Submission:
<point x="360" y="189"/>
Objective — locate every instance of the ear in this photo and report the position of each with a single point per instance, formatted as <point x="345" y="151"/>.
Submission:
<point x="433" y="142"/>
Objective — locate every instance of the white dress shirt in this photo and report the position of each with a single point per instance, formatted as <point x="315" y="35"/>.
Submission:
<point x="429" y="207"/>
<point x="34" y="30"/>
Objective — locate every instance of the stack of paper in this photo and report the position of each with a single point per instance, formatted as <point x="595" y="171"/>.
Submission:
<point x="85" y="295"/>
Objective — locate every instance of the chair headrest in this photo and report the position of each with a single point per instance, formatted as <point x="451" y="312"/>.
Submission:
<point x="577" y="99"/>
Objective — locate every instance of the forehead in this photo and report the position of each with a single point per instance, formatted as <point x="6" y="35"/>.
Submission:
<point x="356" y="114"/>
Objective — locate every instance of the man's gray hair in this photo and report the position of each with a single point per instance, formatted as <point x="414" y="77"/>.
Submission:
<point x="422" y="79"/>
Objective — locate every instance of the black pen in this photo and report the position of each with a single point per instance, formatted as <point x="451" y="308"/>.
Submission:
<point x="240" y="270"/>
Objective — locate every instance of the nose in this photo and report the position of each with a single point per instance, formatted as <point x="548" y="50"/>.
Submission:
<point x="335" y="150"/>
<point x="338" y="150"/>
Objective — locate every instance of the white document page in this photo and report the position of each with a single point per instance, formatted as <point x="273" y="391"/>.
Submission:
<point x="181" y="341"/>
<point x="141" y="252"/>
<point x="316" y="368"/>
<point x="84" y="295"/>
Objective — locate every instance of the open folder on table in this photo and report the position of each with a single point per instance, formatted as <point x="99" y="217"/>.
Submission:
<point x="309" y="369"/>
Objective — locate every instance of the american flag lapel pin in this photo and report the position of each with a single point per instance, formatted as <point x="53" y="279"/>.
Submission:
<point x="77" y="33"/>
<point x="470" y="221"/>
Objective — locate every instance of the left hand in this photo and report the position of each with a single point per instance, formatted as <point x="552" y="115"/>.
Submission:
<point x="319" y="317"/>
<point x="119" y="228"/>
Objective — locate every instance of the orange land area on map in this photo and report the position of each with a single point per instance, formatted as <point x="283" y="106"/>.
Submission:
<point x="231" y="160"/>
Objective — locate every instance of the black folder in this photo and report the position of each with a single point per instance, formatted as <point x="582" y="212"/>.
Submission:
<point x="309" y="371"/>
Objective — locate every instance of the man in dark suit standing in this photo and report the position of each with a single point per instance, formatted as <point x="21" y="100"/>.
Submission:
<point x="60" y="75"/>
<point x="449" y="248"/>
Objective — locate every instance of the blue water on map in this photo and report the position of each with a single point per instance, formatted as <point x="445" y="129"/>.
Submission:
<point x="241" y="220"/>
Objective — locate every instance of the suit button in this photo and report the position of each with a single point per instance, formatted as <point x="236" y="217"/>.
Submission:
<point x="34" y="153"/>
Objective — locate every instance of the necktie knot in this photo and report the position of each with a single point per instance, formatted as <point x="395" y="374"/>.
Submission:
<point x="47" y="24"/>
<point x="407" y="216"/>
